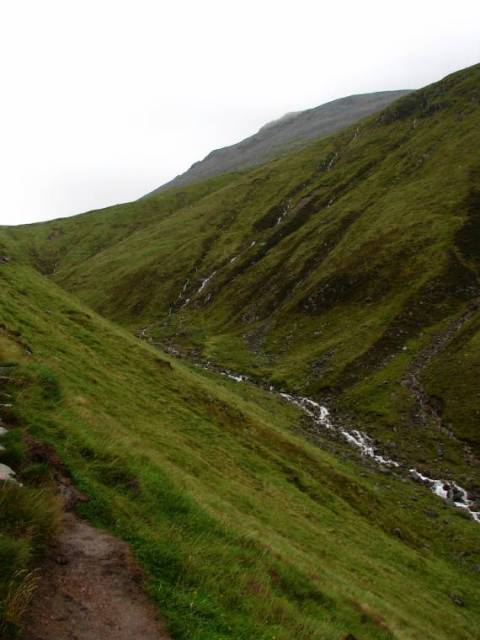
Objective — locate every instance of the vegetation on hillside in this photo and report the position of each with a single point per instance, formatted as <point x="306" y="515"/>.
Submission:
<point x="348" y="271"/>
<point x="329" y="270"/>
<point x="29" y="514"/>
<point x="243" y="527"/>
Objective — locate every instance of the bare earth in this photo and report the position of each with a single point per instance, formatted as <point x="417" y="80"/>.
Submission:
<point x="91" y="590"/>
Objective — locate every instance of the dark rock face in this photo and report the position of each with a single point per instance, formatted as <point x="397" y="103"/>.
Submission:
<point x="292" y="131"/>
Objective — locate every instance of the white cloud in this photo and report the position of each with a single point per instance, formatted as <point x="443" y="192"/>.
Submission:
<point x="104" y="100"/>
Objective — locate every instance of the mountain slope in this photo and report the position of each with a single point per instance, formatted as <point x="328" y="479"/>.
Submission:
<point x="236" y="518"/>
<point x="331" y="271"/>
<point x="292" y="131"/>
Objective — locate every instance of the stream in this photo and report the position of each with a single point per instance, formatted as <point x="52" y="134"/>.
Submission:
<point x="447" y="490"/>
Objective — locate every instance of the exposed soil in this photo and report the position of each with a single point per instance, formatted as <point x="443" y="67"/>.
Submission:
<point x="90" y="589"/>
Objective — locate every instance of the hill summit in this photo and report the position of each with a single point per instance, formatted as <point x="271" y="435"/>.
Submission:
<point x="292" y="131"/>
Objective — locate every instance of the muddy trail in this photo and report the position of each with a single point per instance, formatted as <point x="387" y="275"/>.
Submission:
<point x="91" y="589"/>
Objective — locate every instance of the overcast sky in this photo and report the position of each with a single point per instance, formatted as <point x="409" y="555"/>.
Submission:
<point x="104" y="100"/>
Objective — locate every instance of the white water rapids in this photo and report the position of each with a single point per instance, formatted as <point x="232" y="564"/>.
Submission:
<point x="448" y="490"/>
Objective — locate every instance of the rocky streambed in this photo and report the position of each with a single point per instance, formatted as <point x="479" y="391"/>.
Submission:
<point x="447" y="490"/>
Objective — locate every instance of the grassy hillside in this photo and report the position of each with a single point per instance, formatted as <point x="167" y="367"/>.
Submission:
<point x="243" y="527"/>
<point x="337" y="271"/>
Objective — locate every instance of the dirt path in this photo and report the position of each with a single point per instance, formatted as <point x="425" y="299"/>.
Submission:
<point x="90" y="589"/>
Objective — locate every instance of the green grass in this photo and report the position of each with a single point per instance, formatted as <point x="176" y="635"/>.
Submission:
<point x="29" y="523"/>
<point x="376" y="250"/>
<point x="30" y="514"/>
<point x="244" y="528"/>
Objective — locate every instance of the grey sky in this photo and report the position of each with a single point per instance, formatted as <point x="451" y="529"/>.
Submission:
<point x="104" y="100"/>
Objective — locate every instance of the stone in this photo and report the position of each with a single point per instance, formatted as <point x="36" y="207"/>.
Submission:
<point x="6" y="473"/>
<point x="456" y="599"/>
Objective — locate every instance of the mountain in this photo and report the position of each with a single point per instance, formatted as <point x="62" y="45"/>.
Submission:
<point x="329" y="271"/>
<point x="293" y="130"/>
<point x="176" y="357"/>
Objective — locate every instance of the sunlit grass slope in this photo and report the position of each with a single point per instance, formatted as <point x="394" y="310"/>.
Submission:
<point x="329" y="269"/>
<point x="245" y="530"/>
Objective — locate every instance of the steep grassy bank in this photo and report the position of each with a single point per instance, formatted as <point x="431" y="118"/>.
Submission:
<point x="29" y="515"/>
<point x="244" y="528"/>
